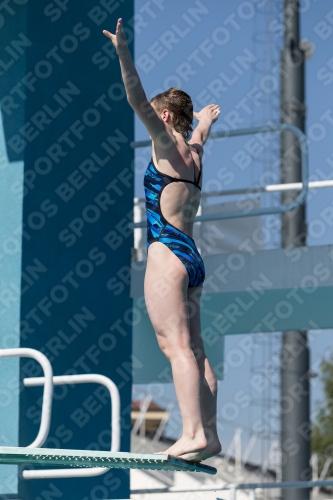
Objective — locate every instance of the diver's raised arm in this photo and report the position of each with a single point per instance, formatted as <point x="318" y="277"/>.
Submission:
<point x="206" y="117"/>
<point x="134" y="89"/>
<point x="135" y="93"/>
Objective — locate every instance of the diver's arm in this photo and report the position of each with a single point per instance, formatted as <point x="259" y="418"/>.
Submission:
<point x="135" y="93"/>
<point x="134" y="89"/>
<point x="206" y="117"/>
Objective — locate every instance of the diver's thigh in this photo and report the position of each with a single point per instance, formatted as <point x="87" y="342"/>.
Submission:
<point x="165" y="289"/>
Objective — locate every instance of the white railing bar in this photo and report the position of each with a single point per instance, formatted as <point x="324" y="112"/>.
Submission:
<point x="283" y="485"/>
<point x="233" y="493"/>
<point x="233" y="448"/>
<point x="176" y="489"/>
<point x="92" y="378"/>
<point x="163" y="422"/>
<point x="143" y="410"/>
<point x="224" y="134"/>
<point x="270" y="188"/>
<point x="250" y="445"/>
<point x="45" y="421"/>
<point x="323" y="473"/>
<point x="240" y="486"/>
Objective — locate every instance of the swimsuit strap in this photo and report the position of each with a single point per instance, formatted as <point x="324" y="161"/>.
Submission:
<point x="197" y="183"/>
<point x="175" y="179"/>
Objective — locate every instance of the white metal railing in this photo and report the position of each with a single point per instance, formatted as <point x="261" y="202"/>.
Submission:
<point x="270" y="188"/>
<point x="90" y="378"/>
<point x="139" y="426"/>
<point x="315" y="470"/>
<point x="271" y="486"/>
<point x="233" y="488"/>
<point x="45" y="420"/>
<point x="48" y="381"/>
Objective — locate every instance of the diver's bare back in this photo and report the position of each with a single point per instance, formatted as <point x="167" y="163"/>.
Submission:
<point x="180" y="200"/>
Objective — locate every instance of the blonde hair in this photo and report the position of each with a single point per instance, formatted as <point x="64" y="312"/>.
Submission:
<point x="180" y="105"/>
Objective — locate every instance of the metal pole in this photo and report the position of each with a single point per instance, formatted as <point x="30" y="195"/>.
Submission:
<point x="295" y="414"/>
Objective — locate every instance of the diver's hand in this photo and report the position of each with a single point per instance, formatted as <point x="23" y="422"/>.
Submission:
<point x="209" y="113"/>
<point x="119" y="39"/>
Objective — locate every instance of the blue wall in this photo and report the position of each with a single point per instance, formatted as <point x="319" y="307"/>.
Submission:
<point x="12" y="70"/>
<point x="10" y="278"/>
<point x="71" y="126"/>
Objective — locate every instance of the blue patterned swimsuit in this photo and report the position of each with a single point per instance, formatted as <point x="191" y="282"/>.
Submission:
<point x="159" y="229"/>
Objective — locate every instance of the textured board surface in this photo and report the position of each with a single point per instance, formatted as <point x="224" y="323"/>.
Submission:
<point x="84" y="458"/>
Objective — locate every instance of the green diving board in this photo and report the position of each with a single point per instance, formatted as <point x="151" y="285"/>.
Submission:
<point x="89" y="458"/>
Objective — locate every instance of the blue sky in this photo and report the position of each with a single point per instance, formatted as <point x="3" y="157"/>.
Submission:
<point x="238" y="43"/>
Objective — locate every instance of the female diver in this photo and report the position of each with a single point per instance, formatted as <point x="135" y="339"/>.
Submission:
<point x="175" y="271"/>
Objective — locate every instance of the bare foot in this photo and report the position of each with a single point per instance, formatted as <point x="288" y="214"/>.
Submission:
<point x="186" y="445"/>
<point x="212" y="449"/>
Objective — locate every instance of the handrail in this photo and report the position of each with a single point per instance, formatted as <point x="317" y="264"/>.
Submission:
<point x="281" y="127"/>
<point x="90" y="378"/>
<point x="255" y="190"/>
<point x="45" y="421"/>
<point x="238" y="486"/>
<point x="281" y="485"/>
<point x="48" y="381"/>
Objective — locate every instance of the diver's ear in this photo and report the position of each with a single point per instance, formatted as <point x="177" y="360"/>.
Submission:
<point x="166" y="115"/>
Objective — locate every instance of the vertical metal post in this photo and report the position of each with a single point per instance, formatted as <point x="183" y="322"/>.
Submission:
<point x="252" y="495"/>
<point x="238" y="451"/>
<point x="233" y="493"/>
<point x="295" y="435"/>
